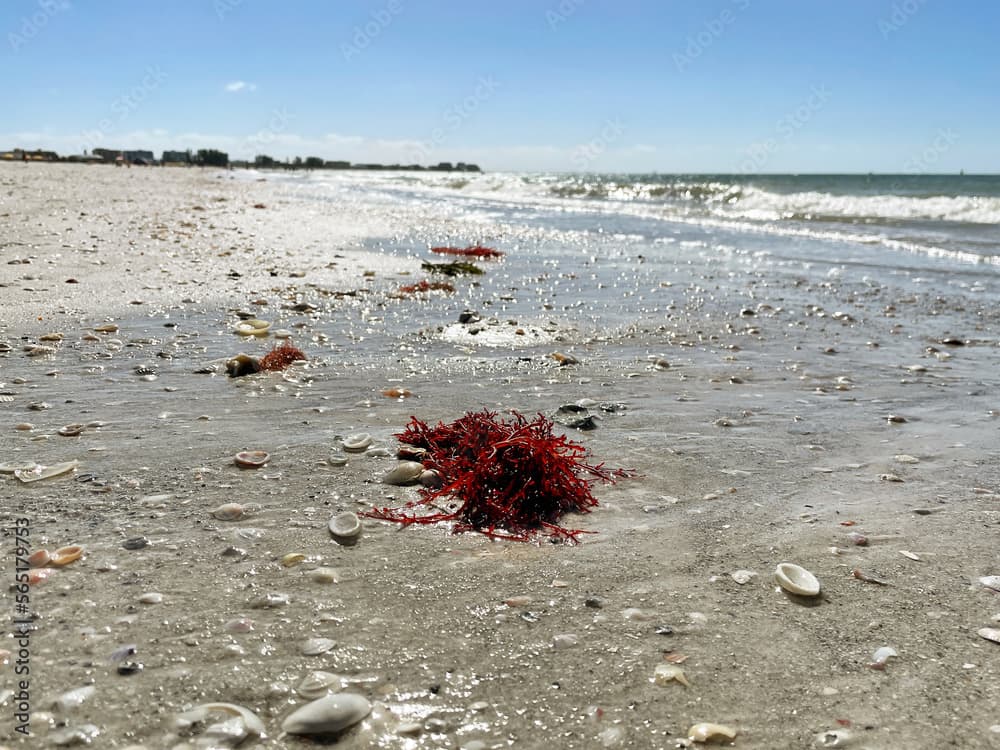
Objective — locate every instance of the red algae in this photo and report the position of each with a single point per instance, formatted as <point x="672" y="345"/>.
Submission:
<point x="473" y="251"/>
<point x="427" y="286"/>
<point x="280" y="357"/>
<point x="511" y="479"/>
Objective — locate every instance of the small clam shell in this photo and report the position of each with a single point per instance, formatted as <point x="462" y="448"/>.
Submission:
<point x="66" y="555"/>
<point x="881" y="657"/>
<point x="742" y="576"/>
<point x="248" y="726"/>
<point x="357" y="443"/>
<point x="106" y="328"/>
<point x="39" y="558"/>
<point x="796" y="580"/>
<point x="328" y="715"/>
<point x="45" y="472"/>
<point x="292" y="559"/>
<point x="990" y="634"/>
<point x="431" y="479"/>
<point x="229" y="512"/>
<point x="251" y="459"/>
<point x="337" y="459"/>
<point x="345" y="527"/>
<point x="253" y="327"/>
<point x="664" y="674"/>
<point x="991" y="582"/>
<point x="323" y="574"/>
<point x="317" y="684"/>
<point x="707" y="732"/>
<point x="316" y="646"/>
<point x="403" y="473"/>
<point x="71" y="430"/>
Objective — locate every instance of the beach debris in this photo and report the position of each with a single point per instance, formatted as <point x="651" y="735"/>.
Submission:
<point x="404" y="473"/>
<point x="396" y="392"/>
<point x="881" y="658"/>
<point x="511" y="479"/>
<point x="564" y="360"/>
<point x="455" y="268"/>
<point x="357" y="443"/>
<point x="896" y="419"/>
<point x="38" y="472"/>
<point x="251" y="459"/>
<point x="833" y="738"/>
<point x="708" y="732"/>
<point x="868" y="577"/>
<point x="473" y="251"/>
<point x="742" y="576"/>
<point x="229" y="512"/>
<point x="252" y="327"/>
<point x="910" y="555"/>
<point x="345" y="527"/>
<point x="39" y="558"/>
<point x="237" y="725"/>
<point x="664" y="674"/>
<point x="575" y="417"/>
<point x="135" y="542"/>
<point x="280" y="357"/>
<point x="328" y="715"/>
<point x="240" y="365"/>
<point x="990" y="634"/>
<point x="66" y="555"/>
<point x="292" y="559"/>
<point x="424" y="286"/>
<point x="796" y="580"/>
<point x="123" y="652"/>
<point x="991" y="582"/>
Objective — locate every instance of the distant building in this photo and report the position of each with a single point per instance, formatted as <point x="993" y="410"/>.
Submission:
<point x="19" y="154"/>
<point x="142" y="158"/>
<point x="338" y="165"/>
<point x="107" y="154"/>
<point x="176" y="157"/>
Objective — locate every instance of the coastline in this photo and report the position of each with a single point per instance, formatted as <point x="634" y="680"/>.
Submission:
<point x="767" y="433"/>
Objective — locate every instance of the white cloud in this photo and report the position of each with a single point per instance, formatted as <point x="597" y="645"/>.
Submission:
<point x="236" y="86"/>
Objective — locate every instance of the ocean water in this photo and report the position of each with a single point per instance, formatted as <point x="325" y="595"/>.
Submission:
<point x="620" y="250"/>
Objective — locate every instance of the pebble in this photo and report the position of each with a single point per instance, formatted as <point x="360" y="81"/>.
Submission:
<point x="136" y="542"/>
<point x="151" y="597"/>
<point x="323" y="575"/>
<point x="327" y="715"/>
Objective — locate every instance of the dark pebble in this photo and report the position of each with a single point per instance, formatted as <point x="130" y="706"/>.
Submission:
<point x="593" y="602"/>
<point x="136" y="542"/>
<point x="129" y="667"/>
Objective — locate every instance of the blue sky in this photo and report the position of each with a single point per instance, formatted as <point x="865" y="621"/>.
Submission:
<point x="602" y="85"/>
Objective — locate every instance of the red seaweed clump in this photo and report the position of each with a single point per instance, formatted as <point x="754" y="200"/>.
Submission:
<point x="508" y="479"/>
<point x="473" y="251"/>
<point x="280" y="357"/>
<point x="427" y="286"/>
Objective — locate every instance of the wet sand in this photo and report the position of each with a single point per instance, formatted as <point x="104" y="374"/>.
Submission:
<point x="766" y="439"/>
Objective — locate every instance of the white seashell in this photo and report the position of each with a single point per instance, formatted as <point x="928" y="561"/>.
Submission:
<point x="45" y="472"/>
<point x="904" y="458"/>
<point x="242" y="725"/>
<point x="83" y="734"/>
<point x="911" y="555"/>
<point x="345" y="527"/>
<point x="317" y="684"/>
<point x="991" y="582"/>
<point x="990" y="634"/>
<point x="708" y="732"/>
<point x="151" y="597"/>
<point x="337" y="459"/>
<point x="357" y="443"/>
<point x="72" y="698"/>
<point x="328" y="715"/>
<point x="323" y="575"/>
<point x="403" y="473"/>
<point x="742" y="576"/>
<point x="229" y="512"/>
<point x="796" y="580"/>
<point x="882" y="656"/>
<point x="11" y="467"/>
<point x="253" y="327"/>
<point x="664" y="674"/>
<point x="281" y="333"/>
<point x="377" y="451"/>
<point x="251" y="459"/>
<point x="316" y="646"/>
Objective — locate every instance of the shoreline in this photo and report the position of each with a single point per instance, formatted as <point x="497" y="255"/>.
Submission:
<point x="765" y="439"/>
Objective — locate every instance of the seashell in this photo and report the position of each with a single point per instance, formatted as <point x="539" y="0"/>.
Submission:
<point x="431" y="479"/>
<point x="292" y="559"/>
<point x="229" y="512"/>
<point x="253" y="327"/>
<point x="742" y="576"/>
<point x="71" y="699"/>
<point x="151" y="597"/>
<point x="106" y="328"/>
<point x="323" y="574"/>
<point x="82" y="734"/>
<point x="990" y="634"/>
<point x="317" y="684"/>
<point x="565" y="640"/>
<point x="991" y="582"/>
<point x="905" y="458"/>
<point x="38" y="575"/>
<point x="881" y="657"/>
<point x="664" y="674"/>
<point x="66" y="555"/>
<point x="281" y="333"/>
<point x="345" y="527"/>
<point x="796" y="580"/>
<point x="45" y="472"/>
<point x="39" y="350"/>
<point x="39" y="558"/>
<point x="239" y="625"/>
<point x="328" y="715"/>
<point x="708" y="732"/>
<point x="243" y="724"/>
<point x="316" y="646"/>
<point x="242" y="364"/>
<point x="71" y="430"/>
<point x="357" y="443"/>
<point x="411" y="453"/>
<point x="51" y="337"/>
<point x="337" y="459"/>
<point x="377" y="451"/>
<point x="11" y="467"/>
<point x="251" y="459"/>
<point x="403" y="473"/>
<point x="271" y="600"/>
<point x="911" y="555"/>
<point x="862" y="575"/>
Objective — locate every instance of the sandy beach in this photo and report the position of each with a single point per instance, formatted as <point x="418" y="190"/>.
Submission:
<point x="841" y="422"/>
